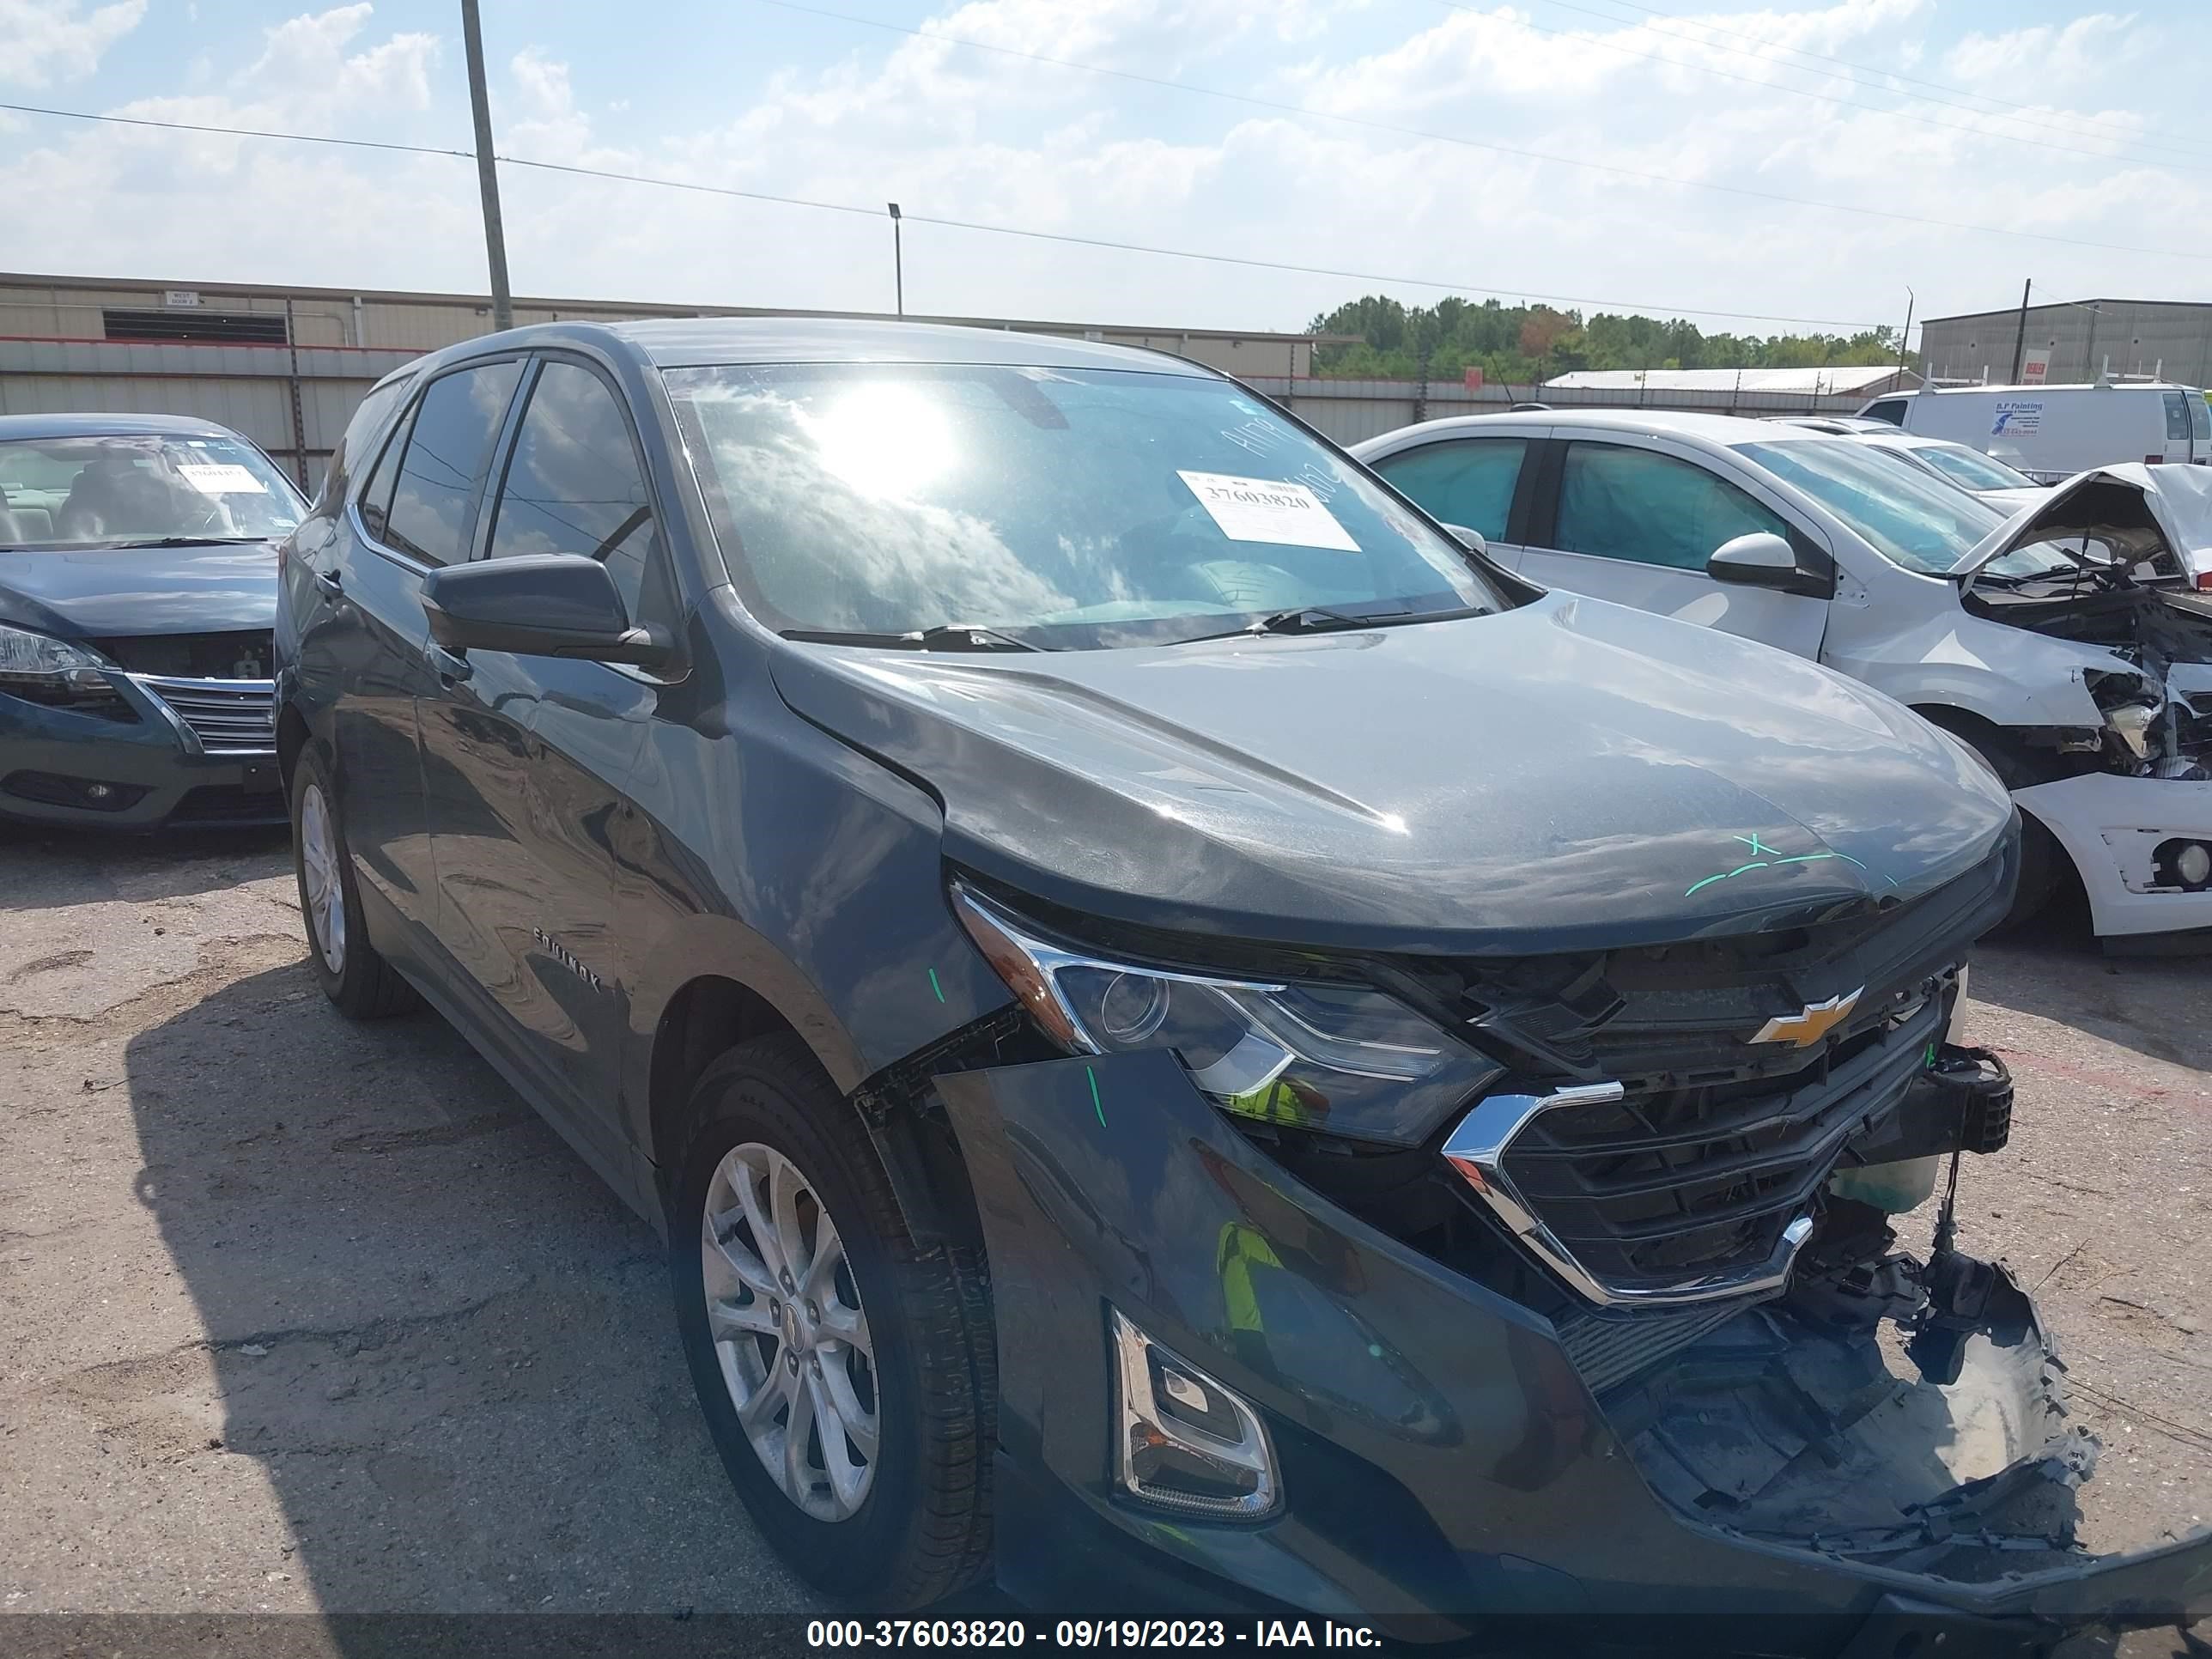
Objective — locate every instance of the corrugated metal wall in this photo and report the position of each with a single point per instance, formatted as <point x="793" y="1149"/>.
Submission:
<point x="61" y="309"/>
<point x="2136" y="337"/>
<point x="246" y="388"/>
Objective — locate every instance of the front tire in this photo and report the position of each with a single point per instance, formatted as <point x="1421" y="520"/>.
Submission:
<point x="2042" y="860"/>
<point x="847" y="1374"/>
<point x="352" y="972"/>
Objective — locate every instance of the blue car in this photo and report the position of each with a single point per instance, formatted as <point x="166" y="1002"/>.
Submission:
<point x="137" y="590"/>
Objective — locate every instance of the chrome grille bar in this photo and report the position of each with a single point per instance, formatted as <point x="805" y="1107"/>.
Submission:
<point x="224" y="717"/>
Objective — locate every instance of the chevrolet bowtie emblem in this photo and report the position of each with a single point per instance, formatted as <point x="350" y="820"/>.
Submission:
<point x="1816" y="1022"/>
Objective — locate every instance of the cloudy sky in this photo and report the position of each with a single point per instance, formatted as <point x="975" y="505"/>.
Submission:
<point x="1660" y="157"/>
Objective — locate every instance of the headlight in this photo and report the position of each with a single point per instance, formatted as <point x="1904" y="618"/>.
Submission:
<point x="1343" y="1058"/>
<point x="49" y="670"/>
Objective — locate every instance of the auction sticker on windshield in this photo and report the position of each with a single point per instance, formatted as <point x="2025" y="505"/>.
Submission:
<point x="221" y="478"/>
<point x="1267" y="510"/>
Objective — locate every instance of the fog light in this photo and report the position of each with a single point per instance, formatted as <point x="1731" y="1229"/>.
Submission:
<point x="1182" y="1441"/>
<point x="97" y="792"/>
<point x="2181" y="864"/>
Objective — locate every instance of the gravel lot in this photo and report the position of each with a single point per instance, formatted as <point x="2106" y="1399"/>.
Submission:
<point x="300" y="1315"/>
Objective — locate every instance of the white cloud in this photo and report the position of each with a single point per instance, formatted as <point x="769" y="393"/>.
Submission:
<point x="959" y="134"/>
<point x="43" y="41"/>
<point x="2031" y="58"/>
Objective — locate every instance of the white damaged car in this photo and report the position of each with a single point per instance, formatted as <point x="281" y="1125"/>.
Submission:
<point x="2065" y="644"/>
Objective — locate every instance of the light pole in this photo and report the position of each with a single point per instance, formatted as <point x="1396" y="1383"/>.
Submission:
<point x="1910" y="299"/>
<point x="502" y="303"/>
<point x="898" y="259"/>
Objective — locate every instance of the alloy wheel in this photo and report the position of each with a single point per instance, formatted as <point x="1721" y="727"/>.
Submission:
<point x="784" y="1313"/>
<point x="319" y="865"/>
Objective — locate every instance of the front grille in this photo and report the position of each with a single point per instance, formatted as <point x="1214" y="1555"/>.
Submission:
<point x="238" y="655"/>
<point x="1647" y="1148"/>
<point x="1674" y="1184"/>
<point x="228" y="717"/>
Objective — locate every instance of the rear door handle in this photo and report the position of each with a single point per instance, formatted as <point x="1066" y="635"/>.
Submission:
<point x="450" y="670"/>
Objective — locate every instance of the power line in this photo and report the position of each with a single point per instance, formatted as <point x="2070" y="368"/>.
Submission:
<point x="237" y="132"/>
<point x="2027" y="111"/>
<point x="982" y="227"/>
<point x="913" y="217"/>
<point x="1779" y="86"/>
<point x="1637" y="174"/>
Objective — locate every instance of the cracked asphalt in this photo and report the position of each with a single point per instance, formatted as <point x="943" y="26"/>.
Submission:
<point x="300" y="1315"/>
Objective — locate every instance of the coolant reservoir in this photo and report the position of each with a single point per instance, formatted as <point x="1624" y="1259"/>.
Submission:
<point x="1891" y="1187"/>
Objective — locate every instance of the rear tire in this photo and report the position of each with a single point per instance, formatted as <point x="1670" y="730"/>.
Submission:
<point x="352" y="972"/>
<point x="896" y="1514"/>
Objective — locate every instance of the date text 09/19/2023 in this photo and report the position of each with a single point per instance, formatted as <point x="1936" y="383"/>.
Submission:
<point x="823" y="1633"/>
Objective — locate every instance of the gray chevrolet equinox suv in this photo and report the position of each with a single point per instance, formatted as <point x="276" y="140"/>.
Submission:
<point x="1197" y="1046"/>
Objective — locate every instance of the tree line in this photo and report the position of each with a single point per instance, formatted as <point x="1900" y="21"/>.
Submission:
<point x="1515" y="345"/>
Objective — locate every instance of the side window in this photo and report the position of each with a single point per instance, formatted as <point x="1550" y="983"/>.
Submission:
<point x="576" y="484"/>
<point x="375" y="499"/>
<point x="1889" y="409"/>
<point x="2177" y="418"/>
<point x="2200" y="419"/>
<point x="1652" y="509"/>
<point x="1469" y="482"/>
<point x="448" y="449"/>
<point x="361" y="434"/>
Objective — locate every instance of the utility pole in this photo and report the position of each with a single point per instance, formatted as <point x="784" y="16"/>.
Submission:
<point x="502" y="303"/>
<point x="2020" y="342"/>
<point x="1910" y="299"/>
<point x="898" y="259"/>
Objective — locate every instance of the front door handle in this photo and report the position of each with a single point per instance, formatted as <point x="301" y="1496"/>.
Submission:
<point x="328" y="580"/>
<point x="450" y="668"/>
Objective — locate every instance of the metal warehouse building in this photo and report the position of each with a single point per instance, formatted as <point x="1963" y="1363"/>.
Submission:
<point x="286" y="366"/>
<point x="2079" y="338"/>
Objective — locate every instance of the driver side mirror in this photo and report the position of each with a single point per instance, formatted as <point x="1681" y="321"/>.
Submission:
<point x="1470" y="539"/>
<point x="538" y="604"/>
<point x="1764" y="559"/>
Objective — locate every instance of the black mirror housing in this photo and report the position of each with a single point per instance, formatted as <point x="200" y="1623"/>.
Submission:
<point x="539" y="605"/>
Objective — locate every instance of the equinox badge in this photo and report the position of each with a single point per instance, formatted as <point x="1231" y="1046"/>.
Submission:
<point x="1807" y="1028"/>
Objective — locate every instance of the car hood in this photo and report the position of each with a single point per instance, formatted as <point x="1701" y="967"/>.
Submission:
<point x="2010" y="501"/>
<point x="90" y="594"/>
<point x="1568" y="775"/>
<point x="2178" y="499"/>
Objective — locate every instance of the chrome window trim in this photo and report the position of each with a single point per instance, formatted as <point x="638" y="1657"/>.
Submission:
<point x="1476" y="1148"/>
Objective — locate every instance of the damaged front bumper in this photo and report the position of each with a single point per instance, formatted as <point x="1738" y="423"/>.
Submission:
<point x="2114" y="829"/>
<point x="1451" y="1462"/>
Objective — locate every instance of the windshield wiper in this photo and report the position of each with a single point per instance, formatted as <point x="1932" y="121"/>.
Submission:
<point x="945" y="636"/>
<point x="189" y="541"/>
<point x="1325" y="619"/>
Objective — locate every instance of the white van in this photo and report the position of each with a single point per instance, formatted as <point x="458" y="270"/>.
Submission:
<point x="2053" y="432"/>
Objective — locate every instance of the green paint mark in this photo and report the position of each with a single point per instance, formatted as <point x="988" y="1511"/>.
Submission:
<point x="1760" y="864"/>
<point x="1095" y="1105"/>
<point x="1757" y="846"/>
<point x="935" y="986"/>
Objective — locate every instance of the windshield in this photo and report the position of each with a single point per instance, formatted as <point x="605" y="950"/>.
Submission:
<point x="1069" y="509"/>
<point x="100" y="490"/>
<point x="1972" y="469"/>
<point x="1920" y="522"/>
